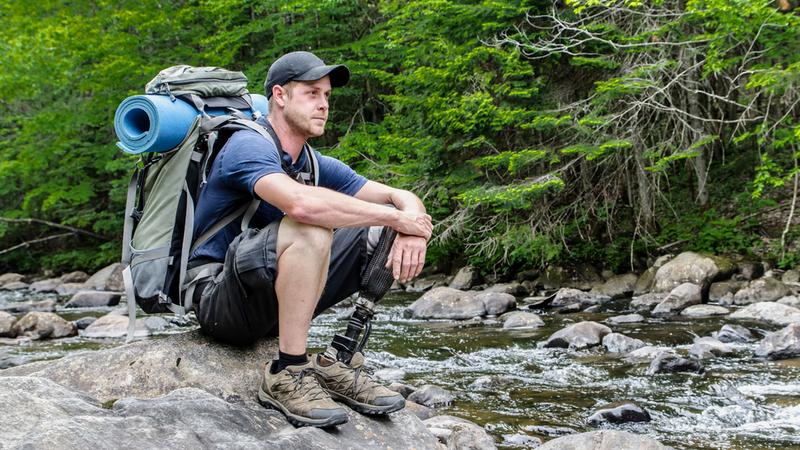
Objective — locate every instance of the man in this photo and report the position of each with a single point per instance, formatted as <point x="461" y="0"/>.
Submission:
<point x="304" y="248"/>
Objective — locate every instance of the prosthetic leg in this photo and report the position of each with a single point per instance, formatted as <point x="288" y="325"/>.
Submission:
<point x="375" y="282"/>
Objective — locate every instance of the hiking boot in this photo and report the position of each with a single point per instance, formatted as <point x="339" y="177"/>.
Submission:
<point x="355" y="387"/>
<point x="297" y="394"/>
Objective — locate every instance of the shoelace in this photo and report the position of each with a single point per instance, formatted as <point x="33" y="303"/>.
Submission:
<point x="302" y="387"/>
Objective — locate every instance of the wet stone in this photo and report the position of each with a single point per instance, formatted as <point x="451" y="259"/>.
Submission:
<point x="709" y="347"/>
<point x="647" y="301"/>
<point x="459" y="433"/>
<point x="521" y="441"/>
<point x="43" y="325"/>
<point x="446" y="303"/>
<point x="74" y="277"/>
<point x="30" y="306"/>
<point x="705" y="311"/>
<point x="685" y="295"/>
<point x="11" y="278"/>
<point x="617" y="286"/>
<point x="578" y="336"/>
<point x="496" y="302"/>
<point x="770" y="312"/>
<point x="569" y="309"/>
<point x="70" y="288"/>
<point x="750" y="270"/>
<point x="720" y="289"/>
<point x="790" y="300"/>
<point x="48" y="285"/>
<point x="791" y="276"/>
<point x="422" y="412"/>
<point x="15" y="286"/>
<point x="108" y="278"/>
<point x="84" y="322"/>
<point x="93" y="299"/>
<point x="782" y="344"/>
<point x="619" y="413"/>
<point x="648" y="353"/>
<point x="403" y="389"/>
<point x="765" y="289"/>
<point x="521" y="319"/>
<point x="733" y="333"/>
<point x="7" y="322"/>
<point x="619" y="343"/>
<point x="569" y="296"/>
<point x="465" y="278"/>
<point x="604" y="440"/>
<point x="689" y="267"/>
<point x="431" y="396"/>
<point x="627" y="318"/>
<point x="670" y="363"/>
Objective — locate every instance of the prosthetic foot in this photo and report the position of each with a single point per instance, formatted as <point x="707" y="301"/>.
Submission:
<point x="375" y="282"/>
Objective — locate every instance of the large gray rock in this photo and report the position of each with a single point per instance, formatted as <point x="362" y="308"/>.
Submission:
<point x="446" y="303"/>
<point x="781" y="344"/>
<point x="569" y="296"/>
<point x="619" y="343"/>
<point x="427" y="283"/>
<point x="770" y="312"/>
<point x="29" y="306"/>
<point x="71" y="288"/>
<point x="39" y="413"/>
<point x="465" y="278"/>
<point x="579" y="335"/>
<point x="791" y="276"/>
<point x="430" y="395"/>
<point x="617" y="286"/>
<point x="521" y="319"/>
<point x="648" y="353"/>
<point x="709" y="347"/>
<point x="74" y="277"/>
<point x="720" y="289"/>
<point x="512" y="288"/>
<point x="689" y="267"/>
<point x="15" y="286"/>
<point x="750" y="270"/>
<point x="790" y="300"/>
<point x="671" y="363"/>
<point x="680" y="297"/>
<point x="761" y="290"/>
<point x="627" y="318"/>
<point x="604" y="440"/>
<point x="108" y="278"/>
<point x="114" y="325"/>
<point x="645" y="281"/>
<point x="11" y="278"/>
<point x="733" y="333"/>
<point x="705" y="311"/>
<point x="619" y="413"/>
<point x="43" y="325"/>
<point x="647" y="301"/>
<point x="495" y="303"/>
<point x="48" y="285"/>
<point x="459" y="433"/>
<point x="93" y="299"/>
<point x="7" y="322"/>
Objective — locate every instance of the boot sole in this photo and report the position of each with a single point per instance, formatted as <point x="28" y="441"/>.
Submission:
<point x="365" y="408"/>
<point x="299" y="421"/>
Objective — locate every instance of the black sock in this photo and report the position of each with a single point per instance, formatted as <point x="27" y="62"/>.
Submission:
<point x="285" y="359"/>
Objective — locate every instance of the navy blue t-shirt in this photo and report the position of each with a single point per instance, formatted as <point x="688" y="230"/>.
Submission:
<point x="243" y="160"/>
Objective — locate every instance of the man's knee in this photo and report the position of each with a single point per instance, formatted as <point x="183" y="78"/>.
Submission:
<point x="312" y="237"/>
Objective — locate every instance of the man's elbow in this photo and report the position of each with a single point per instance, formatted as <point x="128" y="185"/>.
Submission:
<point x="301" y="210"/>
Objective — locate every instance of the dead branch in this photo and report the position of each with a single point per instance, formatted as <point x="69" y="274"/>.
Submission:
<point x="35" y="241"/>
<point x="55" y="225"/>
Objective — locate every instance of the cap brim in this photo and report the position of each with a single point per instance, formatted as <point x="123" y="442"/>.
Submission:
<point x="339" y="74"/>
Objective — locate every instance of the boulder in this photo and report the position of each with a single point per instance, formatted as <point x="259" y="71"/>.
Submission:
<point x="627" y="318"/>
<point x="465" y="278"/>
<point x="671" y="363"/>
<point x="513" y="288"/>
<point x="619" y="343"/>
<point x="43" y="325"/>
<point x="93" y="299"/>
<point x="427" y="283"/>
<point x="645" y="281"/>
<point x="114" y="325"/>
<point x="761" y="290"/>
<point x="647" y="301"/>
<point x="48" y="285"/>
<point x="720" y="289"/>
<point x="459" y="433"/>
<point x="403" y="389"/>
<point x="690" y="267"/>
<point x="521" y="319"/>
<point x="791" y="276"/>
<point x="648" y="353"/>
<point x="70" y="288"/>
<point x="709" y="347"/>
<point x="495" y="303"/>
<point x="619" y="413"/>
<point x="422" y="412"/>
<point x="790" y="300"/>
<point x="84" y="322"/>
<point x="7" y="322"/>
<point x="582" y="277"/>
<point x="11" y="278"/>
<point x="183" y="418"/>
<point x="705" y="311"/>
<point x="569" y="296"/>
<point x="770" y="312"/>
<point x="108" y="278"/>
<point x="733" y="333"/>
<point x="431" y="396"/>
<point x="680" y="297"/>
<point x="15" y="286"/>
<point x="617" y="286"/>
<point x="446" y="303"/>
<point x="30" y="306"/>
<point x="750" y="270"/>
<point x="781" y="344"/>
<point x="578" y="336"/>
<point x="74" y="277"/>
<point x="604" y="440"/>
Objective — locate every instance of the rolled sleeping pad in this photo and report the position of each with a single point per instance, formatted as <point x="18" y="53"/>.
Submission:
<point x="156" y="123"/>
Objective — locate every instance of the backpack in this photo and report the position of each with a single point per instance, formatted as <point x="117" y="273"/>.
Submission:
<point x="164" y="188"/>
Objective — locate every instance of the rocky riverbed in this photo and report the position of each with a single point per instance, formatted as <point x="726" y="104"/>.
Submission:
<point x="696" y="352"/>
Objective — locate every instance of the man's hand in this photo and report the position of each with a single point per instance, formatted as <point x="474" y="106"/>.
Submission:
<point x="407" y="256"/>
<point x="414" y="224"/>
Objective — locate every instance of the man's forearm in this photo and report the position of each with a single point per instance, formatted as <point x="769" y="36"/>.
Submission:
<point x="407" y="201"/>
<point x="331" y="209"/>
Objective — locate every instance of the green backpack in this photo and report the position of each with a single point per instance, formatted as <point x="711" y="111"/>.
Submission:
<point x="164" y="189"/>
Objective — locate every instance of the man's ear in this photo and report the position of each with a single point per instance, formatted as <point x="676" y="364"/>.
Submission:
<point x="279" y="94"/>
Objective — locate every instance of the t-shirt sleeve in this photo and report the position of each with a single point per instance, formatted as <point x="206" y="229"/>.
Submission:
<point x="338" y="176"/>
<point x="246" y="158"/>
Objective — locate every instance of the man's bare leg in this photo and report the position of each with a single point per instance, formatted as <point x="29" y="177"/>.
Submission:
<point x="303" y="256"/>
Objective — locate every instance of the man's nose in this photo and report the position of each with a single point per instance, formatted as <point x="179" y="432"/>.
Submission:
<point x="323" y="104"/>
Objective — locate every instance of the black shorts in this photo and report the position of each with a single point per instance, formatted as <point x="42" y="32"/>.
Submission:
<point x="239" y="306"/>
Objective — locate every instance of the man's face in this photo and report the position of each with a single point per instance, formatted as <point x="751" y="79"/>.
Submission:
<point x="306" y="107"/>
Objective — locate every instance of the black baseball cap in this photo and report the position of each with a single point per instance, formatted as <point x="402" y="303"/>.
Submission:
<point x="303" y="66"/>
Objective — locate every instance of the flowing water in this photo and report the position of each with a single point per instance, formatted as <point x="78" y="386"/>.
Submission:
<point x="505" y="382"/>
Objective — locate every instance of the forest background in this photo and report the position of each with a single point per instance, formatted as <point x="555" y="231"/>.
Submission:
<point x="581" y="132"/>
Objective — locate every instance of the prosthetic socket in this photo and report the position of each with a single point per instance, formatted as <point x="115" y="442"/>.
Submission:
<point x="375" y="282"/>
